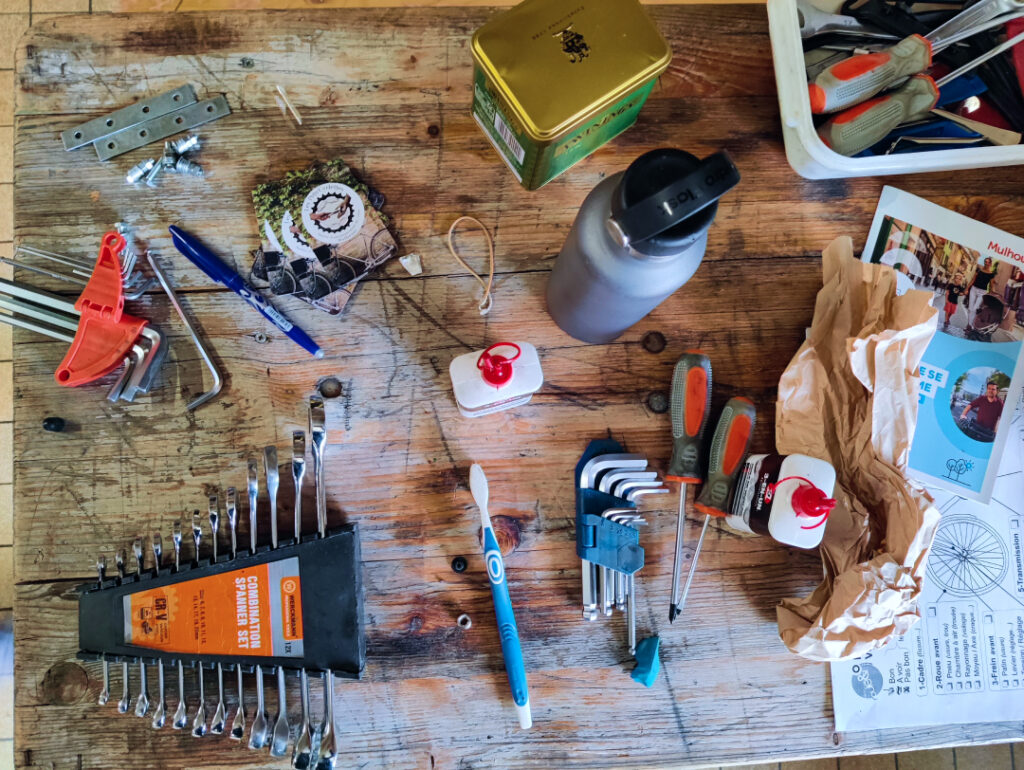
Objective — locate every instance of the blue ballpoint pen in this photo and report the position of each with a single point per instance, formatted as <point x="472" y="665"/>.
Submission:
<point x="214" y="267"/>
<point x="507" y="629"/>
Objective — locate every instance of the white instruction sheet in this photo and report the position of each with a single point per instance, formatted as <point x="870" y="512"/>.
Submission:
<point x="964" y="660"/>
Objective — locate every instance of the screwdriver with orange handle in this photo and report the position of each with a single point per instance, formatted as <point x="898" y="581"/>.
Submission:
<point x="859" y="127"/>
<point x="861" y="76"/>
<point x="729" y="448"/>
<point x="691" y="405"/>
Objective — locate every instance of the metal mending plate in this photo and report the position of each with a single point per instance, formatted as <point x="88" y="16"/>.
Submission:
<point x="160" y="128"/>
<point x="129" y="116"/>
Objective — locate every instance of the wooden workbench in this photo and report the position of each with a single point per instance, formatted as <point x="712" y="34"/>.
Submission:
<point x="389" y="90"/>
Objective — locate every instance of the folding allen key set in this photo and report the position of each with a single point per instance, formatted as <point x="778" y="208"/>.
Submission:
<point x="294" y="607"/>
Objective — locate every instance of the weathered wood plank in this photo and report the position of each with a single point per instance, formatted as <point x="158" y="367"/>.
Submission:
<point x="371" y="85"/>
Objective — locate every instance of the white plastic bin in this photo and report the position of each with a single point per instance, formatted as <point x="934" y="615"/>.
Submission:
<point x="809" y="156"/>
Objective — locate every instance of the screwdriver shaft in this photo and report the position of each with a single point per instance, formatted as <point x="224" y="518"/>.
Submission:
<point x="677" y="564"/>
<point x="693" y="566"/>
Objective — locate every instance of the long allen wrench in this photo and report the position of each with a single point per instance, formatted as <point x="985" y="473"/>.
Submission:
<point x="202" y="398"/>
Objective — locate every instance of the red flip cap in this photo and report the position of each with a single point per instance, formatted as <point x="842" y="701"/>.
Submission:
<point x="496" y="368"/>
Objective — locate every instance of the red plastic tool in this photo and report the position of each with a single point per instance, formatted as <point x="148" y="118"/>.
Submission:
<point x="105" y="332"/>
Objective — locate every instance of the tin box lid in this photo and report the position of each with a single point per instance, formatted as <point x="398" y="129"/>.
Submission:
<point x="557" y="63"/>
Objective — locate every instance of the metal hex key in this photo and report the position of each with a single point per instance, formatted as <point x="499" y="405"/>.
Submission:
<point x="202" y="398"/>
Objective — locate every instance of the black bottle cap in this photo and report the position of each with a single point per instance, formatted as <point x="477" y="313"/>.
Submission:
<point x="666" y="197"/>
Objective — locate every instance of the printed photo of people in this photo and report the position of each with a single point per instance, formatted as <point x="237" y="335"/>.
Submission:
<point x="979" y="395"/>
<point x="978" y="297"/>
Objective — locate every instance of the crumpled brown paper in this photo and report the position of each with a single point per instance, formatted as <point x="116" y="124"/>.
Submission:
<point x="849" y="396"/>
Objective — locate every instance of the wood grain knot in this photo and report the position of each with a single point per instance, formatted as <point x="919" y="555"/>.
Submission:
<point x="64" y="684"/>
<point x="508" y="533"/>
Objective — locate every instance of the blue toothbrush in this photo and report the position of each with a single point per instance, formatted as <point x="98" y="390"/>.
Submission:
<point x="507" y="629"/>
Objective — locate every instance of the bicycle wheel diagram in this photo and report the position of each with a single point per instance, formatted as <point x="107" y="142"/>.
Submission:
<point x="967" y="556"/>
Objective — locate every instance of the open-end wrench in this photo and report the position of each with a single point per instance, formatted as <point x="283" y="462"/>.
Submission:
<point x="214" y="524"/>
<point x="160" y="715"/>
<point x="101" y="571"/>
<point x="231" y="501"/>
<point x="298" y="474"/>
<point x="197" y="533"/>
<point x="199" y="722"/>
<point x="158" y="552"/>
<point x="260" y="724"/>
<point x="176" y="539"/>
<point x="302" y="752"/>
<point x="254" y="496"/>
<point x="238" y="725"/>
<point x="181" y="713"/>
<point x="139" y="556"/>
<point x="327" y="755"/>
<point x="318" y="437"/>
<point x="220" y="714"/>
<point x="282" y="730"/>
<point x="142" y="702"/>
<point x="126" y="699"/>
<point x="273" y="481"/>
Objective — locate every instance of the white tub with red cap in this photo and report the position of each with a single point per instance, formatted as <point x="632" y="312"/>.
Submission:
<point x="787" y="497"/>
<point x="809" y="156"/>
<point x="505" y="375"/>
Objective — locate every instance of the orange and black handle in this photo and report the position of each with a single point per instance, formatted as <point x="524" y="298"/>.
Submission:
<point x="728" y="451"/>
<point x="691" y="405"/>
<point x="860" y="77"/>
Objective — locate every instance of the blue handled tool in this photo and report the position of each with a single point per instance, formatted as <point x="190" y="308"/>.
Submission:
<point x="507" y="629"/>
<point x="214" y="267"/>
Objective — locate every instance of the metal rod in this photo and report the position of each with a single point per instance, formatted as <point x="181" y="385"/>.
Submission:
<point x="38" y="328"/>
<point x="32" y="310"/>
<point x="42" y="271"/>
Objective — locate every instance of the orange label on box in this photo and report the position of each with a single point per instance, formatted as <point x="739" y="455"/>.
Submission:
<point x="252" y="611"/>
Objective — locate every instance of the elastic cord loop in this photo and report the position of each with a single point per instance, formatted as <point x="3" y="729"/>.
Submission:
<point x="486" y="301"/>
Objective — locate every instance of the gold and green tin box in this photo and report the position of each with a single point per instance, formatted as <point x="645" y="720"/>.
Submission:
<point x="553" y="80"/>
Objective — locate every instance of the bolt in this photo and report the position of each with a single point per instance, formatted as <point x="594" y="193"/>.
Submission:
<point x="464" y="622"/>
<point x="153" y="174"/>
<point x="459" y="564"/>
<point x="138" y="171"/>
<point x="188" y="168"/>
<point x="169" y="158"/>
<point x="185" y="144"/>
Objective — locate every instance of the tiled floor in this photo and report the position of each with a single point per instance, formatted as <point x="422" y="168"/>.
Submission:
<point x="15" y="18"/>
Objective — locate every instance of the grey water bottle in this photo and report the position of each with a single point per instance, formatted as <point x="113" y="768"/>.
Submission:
<point x="639" y="236"/>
